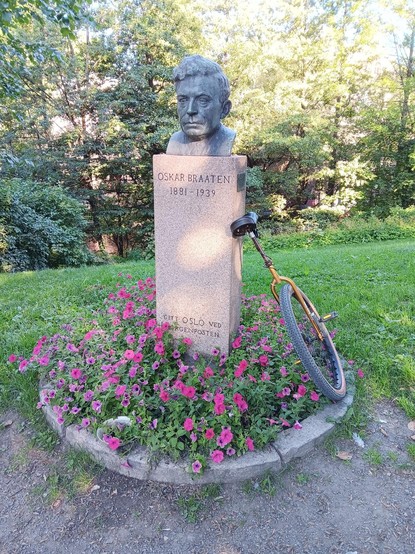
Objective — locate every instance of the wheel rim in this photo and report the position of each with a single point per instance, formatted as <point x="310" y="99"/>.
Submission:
<point x="320" y="351"/>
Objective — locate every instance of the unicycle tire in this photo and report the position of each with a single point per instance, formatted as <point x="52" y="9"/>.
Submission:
<point x="319" y="357"/>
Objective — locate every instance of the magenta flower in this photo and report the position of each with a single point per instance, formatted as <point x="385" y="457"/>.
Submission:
<point x="237" y="342"/>
<point x="22" y="366"/>
<point x="164" y="396"/>
<point x="209" y="434"/>
<point x="300" y="392"/>
<point x="88" y="395"/>
<point x="217" y="456"/>
<point x="249" y="444"/>
<point x="120" y="390"/>
<point x="12" y="358"/>
<point x="129" y="354"/>
<point x="360" y="373"/>
<point x="188" y="392"/>
<point x="263" y="360"/>
<point x="241" y="368"/>
<point x="283" y="371"/>
<point x="314" y="396"/>
<point x="113" y="442"/>
<point x="208" y="373"/>
<point x="159" y="348"/>
<point x="71" y="347"/>
<point x="187" y="341"/>
<point x="96" y="406"/>
<point x="297" y="425"/>
<point x="188" y="424"/>
<point x="224" y="438"/>
<point x="196" y="466"/>
<point x="219" y="409"/>
<point x="76" y="373"/>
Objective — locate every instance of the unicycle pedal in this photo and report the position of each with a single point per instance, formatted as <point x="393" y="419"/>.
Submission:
<point x="328" y="317"/>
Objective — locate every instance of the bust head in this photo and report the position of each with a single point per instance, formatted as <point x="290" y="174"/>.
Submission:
<point x="202" y="91"/>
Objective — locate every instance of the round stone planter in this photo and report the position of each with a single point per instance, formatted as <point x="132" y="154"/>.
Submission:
<point x="137" y="464"/>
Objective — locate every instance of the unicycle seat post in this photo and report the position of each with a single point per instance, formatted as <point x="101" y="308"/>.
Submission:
<point x="254" y="237"/>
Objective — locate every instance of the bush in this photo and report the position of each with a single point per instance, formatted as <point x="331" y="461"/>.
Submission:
<point x="40" y="227"/>
<point x="357" y="229"/>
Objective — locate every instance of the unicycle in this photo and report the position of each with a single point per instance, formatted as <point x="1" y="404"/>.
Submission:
<point x="305" y="327"/>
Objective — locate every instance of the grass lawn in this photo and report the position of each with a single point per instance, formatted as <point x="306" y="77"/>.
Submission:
<point x="372" y="286"/>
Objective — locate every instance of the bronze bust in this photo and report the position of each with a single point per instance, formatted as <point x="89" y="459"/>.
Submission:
<point x="202" y="91"/>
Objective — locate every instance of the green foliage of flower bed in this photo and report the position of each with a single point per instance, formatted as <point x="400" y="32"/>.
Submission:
<point x="399" y="224"/>
<point x="121" y="363"/>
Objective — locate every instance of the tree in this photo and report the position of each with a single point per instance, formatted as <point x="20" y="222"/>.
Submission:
<point x="17" y="54"/>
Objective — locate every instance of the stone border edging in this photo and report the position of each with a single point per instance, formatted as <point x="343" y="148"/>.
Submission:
<point x="290" y="444"/>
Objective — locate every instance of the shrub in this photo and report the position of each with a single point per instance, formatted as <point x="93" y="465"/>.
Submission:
<point x="123" y="364"/>
<point x="40" y="227"/>
<point x="357" y="229"/>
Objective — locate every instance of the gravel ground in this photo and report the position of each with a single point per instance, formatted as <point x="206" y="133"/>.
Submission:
<point x="318" y="505"/>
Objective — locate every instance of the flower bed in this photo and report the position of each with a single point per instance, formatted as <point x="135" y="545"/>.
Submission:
<point x="123" y="366"/>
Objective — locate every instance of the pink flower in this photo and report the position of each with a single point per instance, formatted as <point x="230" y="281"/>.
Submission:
<point x="113" y="442"/>
<point x="12" y="358"/>
<point x="249" y="444"/>
<point x="88" y="396"/>
<point x="314" y="396"/>
<point x="159" y="348"/>
<point x="188" y="392"/>
<point x="237" y="342"/>
<point x="217" y="456"/>
<point x="360" y="373"/>
<point x="188" y="424"/>
<point x="129" y="354"/>
<point x="164" y="396"/>
<point x="241" y="368"/>
<point x="96" y="406"/>
<point x="297" y="425"/>
<point x="263" y="360"/>
<point x="76" y="373"/>
<point x="224" y="438"/>
<point x="151" y="323"/>
<point x="219" y="398"/>
<point x="209" y="434"/>
<point x="300" y="392"/>
<point x="22" y="366"/>
<point x="196" y="466"/>
<point x="219" y="409"/>
<point x="120" y="390"/>
<point x="187" y="341"/>
<point x="208" y="373"/>
<point x="284" y="422"/>
<point x="283" y="371"/>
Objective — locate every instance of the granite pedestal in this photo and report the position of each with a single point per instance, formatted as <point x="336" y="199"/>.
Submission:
<point x="198" y="263"/>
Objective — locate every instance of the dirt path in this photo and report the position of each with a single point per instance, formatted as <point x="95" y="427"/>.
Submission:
<point x="319" y="505"/>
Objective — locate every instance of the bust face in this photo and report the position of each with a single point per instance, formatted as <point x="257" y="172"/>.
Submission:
<point x="199" y="107"/>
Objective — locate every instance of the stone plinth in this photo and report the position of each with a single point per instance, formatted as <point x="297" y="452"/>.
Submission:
<point x="198" y="263"/>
